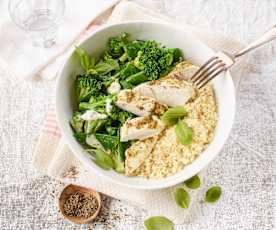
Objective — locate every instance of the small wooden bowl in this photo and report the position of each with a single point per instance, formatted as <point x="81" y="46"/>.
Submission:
<point x="67" y="192"/>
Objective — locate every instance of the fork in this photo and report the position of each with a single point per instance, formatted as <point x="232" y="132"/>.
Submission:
<point x="222" y="60"/>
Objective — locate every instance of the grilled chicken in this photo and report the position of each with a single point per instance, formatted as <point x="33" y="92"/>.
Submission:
<point x="140" y="128"/>
<point x="139" y="105"/>
<point x="184" y="70"/>
<point x="137" y="154"/>
<point x="172" y="90"/>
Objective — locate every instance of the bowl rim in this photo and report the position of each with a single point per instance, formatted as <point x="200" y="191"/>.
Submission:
<point x="88" y="165"/>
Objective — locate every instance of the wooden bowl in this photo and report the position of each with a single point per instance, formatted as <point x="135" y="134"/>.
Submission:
<point x="67" y="192"/>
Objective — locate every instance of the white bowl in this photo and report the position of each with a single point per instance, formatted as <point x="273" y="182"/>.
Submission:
<point x="171" y="36"/>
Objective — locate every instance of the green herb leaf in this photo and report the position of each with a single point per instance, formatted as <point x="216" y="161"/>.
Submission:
<point x="103" y="159"/>
<point x="104" y="67"/>
<point x="171" y="116"/>
<point x="158" y="223"/>
<point x="84" y="58"/>
<point x="184" y="133"/>
<point x="193" y="182"/>
<point x="182" y="198"/>
<point x="213" y="194"/>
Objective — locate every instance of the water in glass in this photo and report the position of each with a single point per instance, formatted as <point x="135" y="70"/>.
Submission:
<point x="40" y="18"/>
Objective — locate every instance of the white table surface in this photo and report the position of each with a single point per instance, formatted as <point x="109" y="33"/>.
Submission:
<point x="246" y="167"/>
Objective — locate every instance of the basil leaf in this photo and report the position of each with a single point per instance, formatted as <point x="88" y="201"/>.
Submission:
<point x="170" y="117"/>
<point x="158" y="223"/>
<point x="103" y="159"/>
<point x="184" y="133"/>
<point x="193" y="182"/>
<point x="182" y="198"/>
<point x="84" y="58"/>
<point x="213" y="194"/>
<point x="104" y="67"/>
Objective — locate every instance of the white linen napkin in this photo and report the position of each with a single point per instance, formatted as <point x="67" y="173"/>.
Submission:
<point x="54" y="158"/>
<point x="26" y="60"/>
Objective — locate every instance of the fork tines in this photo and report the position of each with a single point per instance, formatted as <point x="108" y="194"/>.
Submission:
<point x="210" y="69"/>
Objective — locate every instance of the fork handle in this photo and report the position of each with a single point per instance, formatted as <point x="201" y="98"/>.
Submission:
<point x="265" y="38"/>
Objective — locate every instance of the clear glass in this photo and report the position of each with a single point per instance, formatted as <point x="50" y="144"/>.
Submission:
<point x="40" y="18"/>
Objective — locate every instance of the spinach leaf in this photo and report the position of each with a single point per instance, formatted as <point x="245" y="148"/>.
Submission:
<point x="107" y="141"/>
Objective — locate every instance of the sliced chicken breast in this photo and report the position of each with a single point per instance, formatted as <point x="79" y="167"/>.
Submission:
<point x="140" y="128"/>
<point x="171" y="90"/>
<point x="184" y="70"/>
<point x="137" y="154"/>
<point x="138" y="104"/>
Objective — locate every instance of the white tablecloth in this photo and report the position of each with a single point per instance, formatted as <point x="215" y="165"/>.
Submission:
<point x="246" y="167"/>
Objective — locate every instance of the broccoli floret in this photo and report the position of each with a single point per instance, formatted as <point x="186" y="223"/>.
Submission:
<point x="120" y="115"/>
<point x="133" y="48"/>
<point x="96" y="103"/>
<point x="155" y="60"/>
<point x="137" y="61"/>
<point x="77" y="123"/>
<point x="88" y="86"/>
<point x="94" y="126"/>
<point x="116" y="45"/>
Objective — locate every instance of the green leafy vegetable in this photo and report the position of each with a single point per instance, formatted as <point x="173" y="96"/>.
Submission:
<point x="171" y="116"/>
<point x="107" y="141"/>
<point x="184" y="133"/>
<point x="182" y="198"/>
<point x="77" y="123"/>
<point x="103" y="159"/>
<point x="213" y="194"/>
<point x="80" y="137"/>
<point x="193" y="182"/>
<point x="158" y="223"/>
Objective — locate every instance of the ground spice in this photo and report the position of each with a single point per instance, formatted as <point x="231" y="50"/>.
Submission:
<point x="82" y="205"/>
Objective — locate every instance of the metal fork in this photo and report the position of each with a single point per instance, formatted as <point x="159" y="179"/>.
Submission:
<point x="222" y="60"/>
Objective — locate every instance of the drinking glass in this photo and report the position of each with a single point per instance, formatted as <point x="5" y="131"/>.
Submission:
<point x="40" y="18"/>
